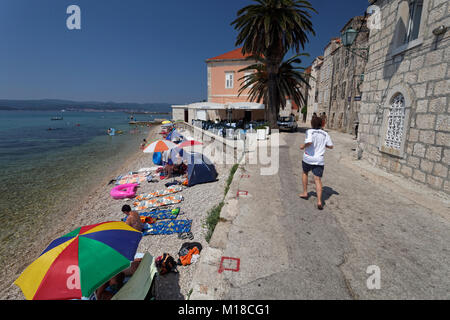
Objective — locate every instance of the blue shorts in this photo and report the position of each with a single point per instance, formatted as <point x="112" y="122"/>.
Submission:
<point x="316" y="169"/>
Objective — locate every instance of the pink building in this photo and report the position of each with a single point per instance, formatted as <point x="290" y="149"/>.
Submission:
<point x="224" y="102"/>
<point x="224" y="75"/>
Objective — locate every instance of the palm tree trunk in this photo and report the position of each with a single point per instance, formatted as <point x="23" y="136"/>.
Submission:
<point x="273" y="99"/>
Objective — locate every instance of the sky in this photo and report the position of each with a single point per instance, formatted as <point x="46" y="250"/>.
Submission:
<point x="130" y="51"/>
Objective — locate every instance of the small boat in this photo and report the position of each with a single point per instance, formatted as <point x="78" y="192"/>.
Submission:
<point x="57" y="118"/>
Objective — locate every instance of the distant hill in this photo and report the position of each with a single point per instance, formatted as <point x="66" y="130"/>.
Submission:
<point x="53" y="104"/>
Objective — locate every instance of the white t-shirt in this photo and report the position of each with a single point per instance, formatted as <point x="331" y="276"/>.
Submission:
<point x="314" y="152"/>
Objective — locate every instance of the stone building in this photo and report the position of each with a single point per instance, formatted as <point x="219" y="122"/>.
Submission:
<point x="326" y="77"/>
<point x="313" y="92"/>
<point x="405" y="117"/>
<point x="348" y="74"/>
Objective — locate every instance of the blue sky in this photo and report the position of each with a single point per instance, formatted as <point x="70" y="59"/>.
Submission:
<point x="129" y="51"/>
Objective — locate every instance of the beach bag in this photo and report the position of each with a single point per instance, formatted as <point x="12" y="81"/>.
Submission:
<point x="165" y="264"/>
<point x="187" y="250"/>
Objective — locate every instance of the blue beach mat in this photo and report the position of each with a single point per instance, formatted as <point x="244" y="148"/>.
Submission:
<point x="161" y="214"/>
<point x="167" y="227"/>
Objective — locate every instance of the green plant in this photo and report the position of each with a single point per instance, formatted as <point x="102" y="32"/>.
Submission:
<point x="304" y="110"/>
<point x="213" y="216"/>
<point x="212" y="220"/>
<point x="189" y="294"/>
<point x="230" y="178"/>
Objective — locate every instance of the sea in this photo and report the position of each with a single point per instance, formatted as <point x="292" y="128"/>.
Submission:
<point x="47" y="166"/>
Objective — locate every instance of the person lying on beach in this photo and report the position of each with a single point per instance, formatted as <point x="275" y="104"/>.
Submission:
<point x="133" y="219"/>
<point x="113" y="285"/>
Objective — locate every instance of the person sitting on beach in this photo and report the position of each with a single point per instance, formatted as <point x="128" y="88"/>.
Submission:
<point x="144" y="142"/>
<point x="133" y="219"/>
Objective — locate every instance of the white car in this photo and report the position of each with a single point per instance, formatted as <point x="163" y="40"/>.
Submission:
<point x="287" y="123"/>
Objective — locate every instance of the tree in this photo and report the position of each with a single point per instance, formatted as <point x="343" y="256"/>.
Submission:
<point x="289" y="78"/>
<point x="270" y="29"/>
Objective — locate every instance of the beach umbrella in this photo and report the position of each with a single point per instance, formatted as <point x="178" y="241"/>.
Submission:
<point x="166" y="122"/>
<point x="159" y="146"/>
<point x="75" y="265"/>
<point x="188" y="143"/>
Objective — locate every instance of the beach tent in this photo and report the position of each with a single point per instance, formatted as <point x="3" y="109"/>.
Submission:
<point x="140" y="284"/>
<point x="200" y="168"/>
<point x="173" y="135"/>
<point x="176" y="155"/>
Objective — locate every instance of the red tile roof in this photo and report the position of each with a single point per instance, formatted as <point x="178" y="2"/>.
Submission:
<point x="235" y="54"/>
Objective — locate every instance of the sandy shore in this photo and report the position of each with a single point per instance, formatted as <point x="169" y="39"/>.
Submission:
<point x="98" y="206"/>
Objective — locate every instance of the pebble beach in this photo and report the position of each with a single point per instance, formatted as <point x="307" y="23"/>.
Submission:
<point x="98" y="206"/>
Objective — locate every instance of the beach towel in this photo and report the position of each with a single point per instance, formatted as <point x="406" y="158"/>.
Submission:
<point x="157" y="202"/>
<point x="132" y="178"/>
<point x="159" y="214"/>
<point x="167" y="227"/>
<point x="159" y="193"/>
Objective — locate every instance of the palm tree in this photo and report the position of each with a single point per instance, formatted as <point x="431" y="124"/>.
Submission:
<point x="270" y="29"/>
<point x="289" y="78"/>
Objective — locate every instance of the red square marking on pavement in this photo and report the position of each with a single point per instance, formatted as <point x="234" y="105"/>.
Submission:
<point x="222" y="268"/>
<point x="241" y="193"/>
<point x="245" y="176"/>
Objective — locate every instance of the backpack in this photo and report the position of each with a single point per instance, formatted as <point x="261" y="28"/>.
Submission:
<point x="165" y="264"/>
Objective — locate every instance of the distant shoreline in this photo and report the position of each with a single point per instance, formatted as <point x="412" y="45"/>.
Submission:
<point x="86" y="110"/>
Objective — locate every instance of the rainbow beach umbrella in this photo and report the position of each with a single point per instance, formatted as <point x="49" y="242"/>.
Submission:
<point x="76" y="264"/>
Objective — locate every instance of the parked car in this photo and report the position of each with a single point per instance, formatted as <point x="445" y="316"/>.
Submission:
<point x="287" y="123"/>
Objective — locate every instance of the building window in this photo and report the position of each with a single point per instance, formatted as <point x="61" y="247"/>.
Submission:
<point x="415" y="13"/>
<point x="229" y="77"/>
<point x="395" y="122"/>
<point x="344" y="85"/>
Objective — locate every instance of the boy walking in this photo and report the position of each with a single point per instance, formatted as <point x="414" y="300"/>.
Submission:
<point x="316" y="141"/>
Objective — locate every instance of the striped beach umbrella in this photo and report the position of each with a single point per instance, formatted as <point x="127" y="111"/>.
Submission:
<point x="76" y="264"/>
<point x="159" y="146"/>
<point x="189" y="143"/>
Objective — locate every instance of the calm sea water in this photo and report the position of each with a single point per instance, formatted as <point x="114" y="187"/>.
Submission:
<point x="44" y="172"/>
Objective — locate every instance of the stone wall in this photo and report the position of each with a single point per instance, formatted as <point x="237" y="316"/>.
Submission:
<point x="419" y="71"/>
<point x="349" y="65"/>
